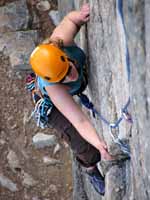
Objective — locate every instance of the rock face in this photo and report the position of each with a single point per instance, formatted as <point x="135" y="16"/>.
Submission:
<point x="41" y="140"/>
<point x="116" y="41"/>
<point x="108" y="40"/>
<point x="14" y="16"/>
<point x="26" y="172"/>
<point x="7" y="183"/>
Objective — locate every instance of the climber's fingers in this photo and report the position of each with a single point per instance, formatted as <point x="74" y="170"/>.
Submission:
<point x="85" y="13"/>
<point x="85" y="7"/>
<point x="105" y="155"/>
<point x="104" y="152"/>
<point x="86" y="19"/>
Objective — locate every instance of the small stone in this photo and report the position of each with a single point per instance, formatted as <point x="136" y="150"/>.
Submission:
<point x="66" y="145"/>
<point x="53" y="188"/>
<point x="26" y="117"/>
<point x="43" y="6"/>
<point x="51" y="161"/>
<point x="13" y="127"/>
<point x="28" y="181"/>
<point x="2" y="142"/>
<point x="56" y="149"/>
<point x="7" y="183"/>
<point x="13" y="161"/>
<point x="18" y="75"/>
<point x="41" y="140"/>
<point x="117" y="189"/>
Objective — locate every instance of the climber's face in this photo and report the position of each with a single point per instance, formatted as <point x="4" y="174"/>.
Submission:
<point x="72" y="74"/>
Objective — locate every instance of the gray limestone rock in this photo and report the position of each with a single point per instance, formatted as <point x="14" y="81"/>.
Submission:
<point x="53" y="188"/>
<point x="65" y="6"/>
<point x="7" y="183"/>
<point x="106" y="40"/>
<point x="13" y="161"/>
<point x="55" y="16"/>
<point x="41" y="140"/>
<point x="14" y="16"/>
<point x="57" y="149"/>
<point x="43" y="5"/>
<point x="51" y="161"/>
<point x="28" y="180"/>
<point x="18" y="46"/>
<point x="2" y="142"/>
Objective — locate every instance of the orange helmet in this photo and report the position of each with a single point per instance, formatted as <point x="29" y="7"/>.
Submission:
<point x="49" y="62"/>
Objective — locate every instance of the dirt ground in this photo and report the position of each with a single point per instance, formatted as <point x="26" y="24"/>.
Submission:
<point x="16" y="135"/>
<point x="16" y="132"/>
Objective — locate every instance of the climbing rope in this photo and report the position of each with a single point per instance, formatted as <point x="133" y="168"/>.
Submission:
<point x="41" y="112"/>
<point x="124" y="115"/>
<point x="124" y="112"/>
<point x="119" y="6"/>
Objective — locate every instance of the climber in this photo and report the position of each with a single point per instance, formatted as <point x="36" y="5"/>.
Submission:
<point x="58" y="65"/>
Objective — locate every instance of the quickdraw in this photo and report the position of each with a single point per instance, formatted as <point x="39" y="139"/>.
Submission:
<point x="125" y="115"/>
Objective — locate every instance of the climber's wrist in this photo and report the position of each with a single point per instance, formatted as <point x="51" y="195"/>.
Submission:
<point x="75" y="19"/>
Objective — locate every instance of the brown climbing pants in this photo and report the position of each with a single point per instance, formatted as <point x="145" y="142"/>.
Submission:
<point x="86" y="154"/>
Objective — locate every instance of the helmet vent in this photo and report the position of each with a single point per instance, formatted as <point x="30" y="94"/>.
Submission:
<point x="47" y="78"/>
<point x="62" y="58"/>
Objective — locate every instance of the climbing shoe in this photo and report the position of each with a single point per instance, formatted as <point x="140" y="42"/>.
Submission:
<point x="97" y="180"/>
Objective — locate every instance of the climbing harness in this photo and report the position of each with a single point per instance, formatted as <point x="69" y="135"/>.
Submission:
<point x="124" y="112"/>
<point x="43" y="106"/>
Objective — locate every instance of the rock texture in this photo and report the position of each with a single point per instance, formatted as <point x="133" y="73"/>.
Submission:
<point x="105" y="43"/>
<point x="26" y="172"/>
<point x="108" y="39"/>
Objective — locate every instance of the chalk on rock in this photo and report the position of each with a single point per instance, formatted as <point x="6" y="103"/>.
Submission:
<point x="41" y="140"/>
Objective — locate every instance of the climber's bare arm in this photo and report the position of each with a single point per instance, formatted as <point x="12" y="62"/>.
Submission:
<point x="70" y="109"/>
<point x="70" y="25"/>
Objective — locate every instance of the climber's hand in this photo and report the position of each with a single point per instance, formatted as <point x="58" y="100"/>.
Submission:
<point x="84" y="13"/>
<point x="104" y="152"/>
